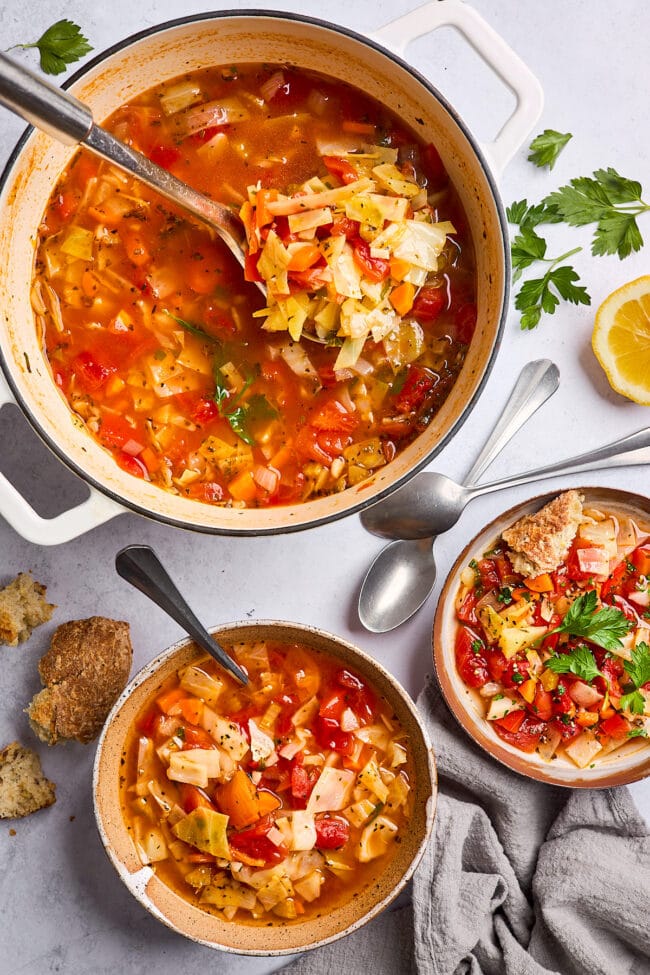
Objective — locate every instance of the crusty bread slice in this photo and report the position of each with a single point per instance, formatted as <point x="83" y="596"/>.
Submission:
<point x="541" y="541"/>
<point x="84" y="672"/>
<point x="23" y="787"/>
<point x="22" y="607"/>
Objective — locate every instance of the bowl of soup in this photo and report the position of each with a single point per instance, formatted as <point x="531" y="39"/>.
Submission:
<point x="271" y="818"/>
<point x="542" y="638"/>
<point x="146" y="361"/>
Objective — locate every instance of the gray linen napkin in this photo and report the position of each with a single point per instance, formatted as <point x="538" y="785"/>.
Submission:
<point x="519" y="879"/>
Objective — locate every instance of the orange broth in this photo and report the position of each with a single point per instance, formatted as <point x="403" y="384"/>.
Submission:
<point x="310" y="822"/>
<point x="147" y="322"/>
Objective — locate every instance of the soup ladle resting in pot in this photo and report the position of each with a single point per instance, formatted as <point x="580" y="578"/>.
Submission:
<point x="70" y="121"/>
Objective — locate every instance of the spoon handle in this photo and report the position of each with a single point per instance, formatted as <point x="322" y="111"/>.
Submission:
<point x="537" y="382"/>
<point x="68" y="120"/>
<point x="630" y="451"/>
<point x="140" y="566"/>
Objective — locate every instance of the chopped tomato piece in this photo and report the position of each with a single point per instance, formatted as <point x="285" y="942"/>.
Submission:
<point x="331" y="833"/>
<point x="465" y="322"/>
<point x="470" y="658"/>
<point x="329" y="735"/>
<point x="303" y="781"/>
<point x="419" y="383"/>
<point x="526" y="736"/>
<point x="164" y="156"/>
<point x="429" y="303"/>
<point x="341" y="168"/>
<point x="91" y="373"/>
<point x="254" y="842"/>
<point x="466" y="612"/>
<point x="193" y="798"/>
<point x="616" y="727"/>
<point x="344" y="225"/>
<point x="375" y="268"/>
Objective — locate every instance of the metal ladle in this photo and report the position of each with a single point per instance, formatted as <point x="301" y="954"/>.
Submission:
<point x="68" y="120"/>
<point x="403" y="574"/>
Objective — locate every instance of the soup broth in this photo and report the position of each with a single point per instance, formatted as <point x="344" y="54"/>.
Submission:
<point x="268" y="803"/>
<point x="166" y="352"/>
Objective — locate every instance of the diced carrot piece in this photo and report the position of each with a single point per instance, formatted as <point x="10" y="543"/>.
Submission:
<point x="239" y="799"/>
<point x="168" y="699"/>
<point x="527" y="690"/>
<point x="150" y="460"/>
<point x="243" y="487"/>
<point x="282" y="457"/>
<point x="136" y="249"/>
<point x="360" y="128"/>
<point x="399" y="268"/>
<point x="267" y="802"/>
<point x="191" y="709"/>
<point x="300" y="907"/>
<point x="586" y="718"/>
<point x="304" y="257"/>
<point x="540" y="583"/>
<point x="402" y="297"/>
<point x="114" y="386"/>
<point x="262" y="213"/>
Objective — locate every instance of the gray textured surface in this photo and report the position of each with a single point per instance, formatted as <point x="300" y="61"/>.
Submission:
<point x="62" y="907"/>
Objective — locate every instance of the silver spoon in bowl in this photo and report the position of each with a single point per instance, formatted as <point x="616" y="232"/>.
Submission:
<point x="140" y="566"/>
<point x="70" y="121"/>
<point x="401" y="577"/>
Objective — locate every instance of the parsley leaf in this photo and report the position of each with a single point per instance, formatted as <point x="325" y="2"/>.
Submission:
<point x="634" y="702"/>
<point x="637" y="733"/>
<point x="543" y="294"/>
<point x="580" y="662"/>
<point x="604" y="628"/>
<point x="597" y="200"/>
<point x="522" y="215"/>
<point x="638" y="667"/>
<point x="546" y="147"/>
<point x="60" y="45"/>
<point x="241" y="416"/>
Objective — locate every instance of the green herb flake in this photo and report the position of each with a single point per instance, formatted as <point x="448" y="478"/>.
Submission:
<point x="546" y="147"/>
<point x="61" y="44"/>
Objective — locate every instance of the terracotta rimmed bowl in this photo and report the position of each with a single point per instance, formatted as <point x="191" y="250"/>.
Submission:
<point x="630" y="762"/>
<point x="283" y="937"/>
<point x="149" y="59"/>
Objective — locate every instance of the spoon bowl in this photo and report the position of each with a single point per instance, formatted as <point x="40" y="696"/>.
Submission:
<point x="406" y="571"/>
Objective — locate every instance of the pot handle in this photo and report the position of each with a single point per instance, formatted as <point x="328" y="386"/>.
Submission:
<point x="51" y="531"/>
<point x="492" y="48"/>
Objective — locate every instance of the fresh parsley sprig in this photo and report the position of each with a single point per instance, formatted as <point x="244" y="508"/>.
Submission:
<point x="546" y="147"/>
<point x="638" y="670"/>
<point x="580" y="662"/>
<point x="194" y="329"/>
<point x="61" y="44"/>
<point x="612" y="202"/>
<point x="604" y="627"/>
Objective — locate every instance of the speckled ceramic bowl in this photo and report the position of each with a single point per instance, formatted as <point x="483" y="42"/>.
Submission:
<point x="283" y="937"/>
<point x="626" y="764"/>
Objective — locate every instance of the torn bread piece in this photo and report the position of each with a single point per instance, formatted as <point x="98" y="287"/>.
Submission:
<point x="22" y="607"/>
<point x="84" y="672"/>
<point x="23" y="787"/>
<point x="540" y="542"/>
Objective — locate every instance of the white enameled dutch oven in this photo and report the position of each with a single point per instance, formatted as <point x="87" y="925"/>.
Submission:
<point x="161" y="53"/>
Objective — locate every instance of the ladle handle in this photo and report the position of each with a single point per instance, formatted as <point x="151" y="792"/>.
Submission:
<point x="43" y="105"/>
<point x="537" y="382"/>
<point x="68" y="120"/>
<point x="630" y="451"/>
<point x="140" y="566"/>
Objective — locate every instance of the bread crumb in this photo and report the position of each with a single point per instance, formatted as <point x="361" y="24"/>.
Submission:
<point x="22" y="608"/>
<point x="23" y="787"/>
<point x="84" y="672"/>
<point x="540" y="542"/>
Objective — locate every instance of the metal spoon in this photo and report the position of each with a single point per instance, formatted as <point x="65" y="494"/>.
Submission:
<point x="403" y="574"/>
<point x="140" y="566"/>
<point x="68" y="120"/>
<point x="431" y="503"/>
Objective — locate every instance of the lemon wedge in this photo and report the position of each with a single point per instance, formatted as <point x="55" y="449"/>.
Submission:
<point x="621" y="339"/>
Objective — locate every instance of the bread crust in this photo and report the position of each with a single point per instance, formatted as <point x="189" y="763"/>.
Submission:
<point x="23" y="787"/>
<point x="22" y="607"/>
<point x="84" y="672"/>
<point x="540" y="542"/>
